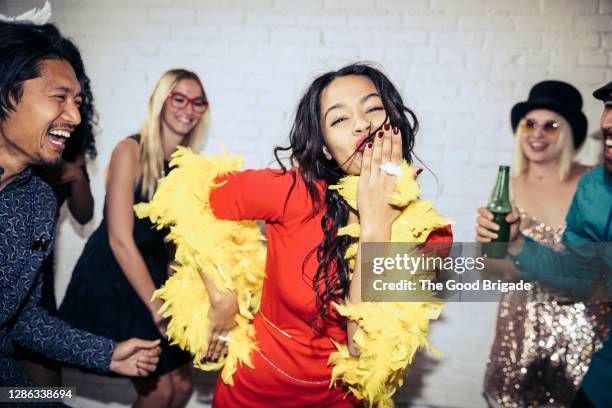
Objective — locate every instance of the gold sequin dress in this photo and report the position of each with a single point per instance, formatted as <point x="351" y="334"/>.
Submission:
<point x="542" y="349"/>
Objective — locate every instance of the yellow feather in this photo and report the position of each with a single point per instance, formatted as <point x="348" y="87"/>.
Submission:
<point x="389" y="334"/>
<point x="232" y="253"/>
<point x="229" y="252"/>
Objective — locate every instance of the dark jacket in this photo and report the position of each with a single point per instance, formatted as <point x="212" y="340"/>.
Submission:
<point x="27" y="221"/>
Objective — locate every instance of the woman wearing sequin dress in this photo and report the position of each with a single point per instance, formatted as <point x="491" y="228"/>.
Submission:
<point x="126" y="259"/>
<point x="542" y="349"/>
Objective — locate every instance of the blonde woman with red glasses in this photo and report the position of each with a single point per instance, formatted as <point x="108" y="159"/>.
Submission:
<point x="542" y="349"/>
<point x="126" y="259"/>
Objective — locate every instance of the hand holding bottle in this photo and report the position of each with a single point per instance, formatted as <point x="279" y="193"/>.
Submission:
<point x="486" y="228"/>
<point x="499" y="208"/>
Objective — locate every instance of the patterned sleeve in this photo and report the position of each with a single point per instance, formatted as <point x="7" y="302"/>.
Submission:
<point x="37" y="330"/>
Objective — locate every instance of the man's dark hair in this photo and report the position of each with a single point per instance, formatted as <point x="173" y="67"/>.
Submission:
<point x="22" y="49"/>
<point x="82" y="139"/>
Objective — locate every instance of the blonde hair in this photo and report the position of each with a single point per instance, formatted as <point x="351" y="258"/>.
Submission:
<point x="565" y="149"/>
<point x="151" y="162"/>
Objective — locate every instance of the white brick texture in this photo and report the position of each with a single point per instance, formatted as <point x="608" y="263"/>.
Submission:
<point x="461" y="64"/>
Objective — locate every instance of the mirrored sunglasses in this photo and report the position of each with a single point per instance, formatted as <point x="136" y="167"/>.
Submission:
<point x="550" y="127"/>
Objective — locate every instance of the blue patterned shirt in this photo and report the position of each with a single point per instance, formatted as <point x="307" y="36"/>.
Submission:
<point x="27" y="222"/>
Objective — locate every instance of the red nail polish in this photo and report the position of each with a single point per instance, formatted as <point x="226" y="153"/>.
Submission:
<point x="395" y="131"/>
<point x="419" y="171"/>
<point x="381" y="134"/>
<point x="369" y="145"/>
<point x="387" y="126"/>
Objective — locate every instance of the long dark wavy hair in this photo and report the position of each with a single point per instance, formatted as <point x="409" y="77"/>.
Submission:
<point x="306" y="142"/>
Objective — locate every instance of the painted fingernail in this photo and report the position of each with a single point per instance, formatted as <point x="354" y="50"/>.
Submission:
<point x="369" y="145"/>
<point x="381" y="134"/>
<point x="387" y="126"/>
<point x="419" y="171"/>
<point x="395" y="131"/>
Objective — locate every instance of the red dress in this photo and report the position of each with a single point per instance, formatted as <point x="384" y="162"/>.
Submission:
<point x="291" y="367"/>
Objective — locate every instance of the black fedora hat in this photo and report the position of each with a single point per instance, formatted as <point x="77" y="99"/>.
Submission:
<point x="604" y="93"/>
<point x="559" y="97"/>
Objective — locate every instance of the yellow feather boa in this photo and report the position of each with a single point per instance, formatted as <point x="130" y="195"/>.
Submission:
<point x="389" y="333"/>
<point x="232" y="253"/>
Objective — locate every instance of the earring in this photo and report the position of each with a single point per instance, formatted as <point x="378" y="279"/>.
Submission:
<point x="326" y="153"/>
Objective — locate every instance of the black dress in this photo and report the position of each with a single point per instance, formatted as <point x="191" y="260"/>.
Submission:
<point x="101" y="300"/>
<point x="47" y="299"/>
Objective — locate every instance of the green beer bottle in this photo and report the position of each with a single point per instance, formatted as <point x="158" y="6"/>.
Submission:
<point x="500" y="206"/>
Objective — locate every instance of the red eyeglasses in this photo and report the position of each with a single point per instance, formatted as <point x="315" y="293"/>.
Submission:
<point x="180" y="101"/>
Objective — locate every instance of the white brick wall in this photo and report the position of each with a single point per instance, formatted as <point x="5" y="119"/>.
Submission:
<point x="461" y="64"/>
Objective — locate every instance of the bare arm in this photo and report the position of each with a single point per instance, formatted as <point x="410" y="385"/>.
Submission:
<point x="80" y="202"/>
<point x="375" y="214"/>
<point x="221" y="316"/>
<point x="120" y="184"/>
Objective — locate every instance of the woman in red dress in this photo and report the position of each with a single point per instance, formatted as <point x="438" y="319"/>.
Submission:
<point x="348" y="122"/>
